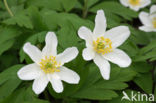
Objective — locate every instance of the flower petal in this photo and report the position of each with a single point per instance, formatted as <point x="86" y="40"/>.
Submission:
<point x="56" y="83"/>
<point x="33" y="52"/>
<point x="103" y="65"/>
<point x="68" y="75"/>
<point x="153" y="9"/>
<point x="68" y="55"/>
<point x="29" y="72"/>
<point x="88" y="54"/>
<point x="40" y="84"/>
<point x="124" y="2"/>
<point x="86" y="34"/>
<point x="147" y="29"/>
<point x="118" y="57"/>
<point x="100" y="24"/>
<point x="135" y="8"/>
<point x="144" y="17"/>
<point x="145" y="3"/>
<point x="118" y="35"/>
<point x="51" y="45"/>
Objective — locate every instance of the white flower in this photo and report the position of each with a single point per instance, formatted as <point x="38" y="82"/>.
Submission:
<point x="48" y="66"/>
<point x="148" y="20"/>
<point x="135" y="4"/>
<point x="102" y="45"/>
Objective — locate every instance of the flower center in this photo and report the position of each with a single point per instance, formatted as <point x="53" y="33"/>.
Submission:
<point x="102" y="45"/>
<point x="49" y="65"/>
<point x="134" y="2"/>
<point x="154" y="22"/>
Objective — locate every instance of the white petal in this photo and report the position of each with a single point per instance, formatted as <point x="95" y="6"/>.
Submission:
<point x="29" y="72"/>
<point x="40" y="84"/>
<point x="153" y="9"/>
<point x="118" y="35"/>
<point x="68" y="75"/>
<point x="118" y="57"/>
<point x="33" y="52"/>
<point x="86" y="34"/>
<point x="135" y="8"/>
<point x="51" y="45"/>
<point x="100" y="24"/>
<point x="144" y="17"/>
<point x="147" y="29"/>
<point x="145" y="3"/>
<point x="103" y="65"/>
<point x="88" y="54"/>
<point x="124" y="2"/>
<point x="56" y="83"/>
<point x="68" y="55"/>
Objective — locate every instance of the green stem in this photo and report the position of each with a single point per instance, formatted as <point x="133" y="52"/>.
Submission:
<point x="8" y="9"/>
<point x="85" y="9"/>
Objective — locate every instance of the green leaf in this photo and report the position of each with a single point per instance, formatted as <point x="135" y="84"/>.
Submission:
<point x="8" y="33"/>
<point x="36" y="19"/>
<point x="139" y="37"/>
<point x="6" y="45"/>
<point x="68" y="4"/>
<point x="7" y="38"/>
<point x="9" y="81"/>
<point x="24" y="95"/>
<point x="145" y="82"/>
<point x="50" y="4"/>
<point x="148" y="52"/>
<point x="104" y="89"/>
<point x="21" y="20"/>
<point x="141" y="67"/>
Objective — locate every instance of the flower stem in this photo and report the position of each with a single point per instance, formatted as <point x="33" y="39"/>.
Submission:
<point x="7" y="7"/>
<point x="85" y="9"/>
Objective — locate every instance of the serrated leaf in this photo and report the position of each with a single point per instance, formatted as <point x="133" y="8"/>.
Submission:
<point x="103" y="89"/>
<point x="21" y="20"/>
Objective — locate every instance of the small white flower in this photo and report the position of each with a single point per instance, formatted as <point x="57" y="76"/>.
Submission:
<point x="148" y="20"/>
<point x="135" y="4"/>
<point x="48" y="66"/>
<point x="102" y="45"/>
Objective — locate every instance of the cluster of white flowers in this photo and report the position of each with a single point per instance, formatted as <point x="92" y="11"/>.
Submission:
<point x="101" y="47"/>
<point x="148" y="19"/>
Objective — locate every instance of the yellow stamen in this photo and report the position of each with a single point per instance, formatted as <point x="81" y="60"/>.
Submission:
<point x="49" y="65"/>
<point x="102" y="45"/>
<point x="134" y="2"/>
<point x="154" y="22"/>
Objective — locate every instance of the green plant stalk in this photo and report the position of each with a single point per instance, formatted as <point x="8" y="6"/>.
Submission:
<point x="8" y="9"/>
<point x="85" y="9"/>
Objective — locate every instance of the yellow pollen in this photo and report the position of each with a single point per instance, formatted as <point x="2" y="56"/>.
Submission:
<point x="102" y="45"/>
<point x="154" y="22"/>
<point x="134" y="2"/>
<point x="49" y="65"/>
